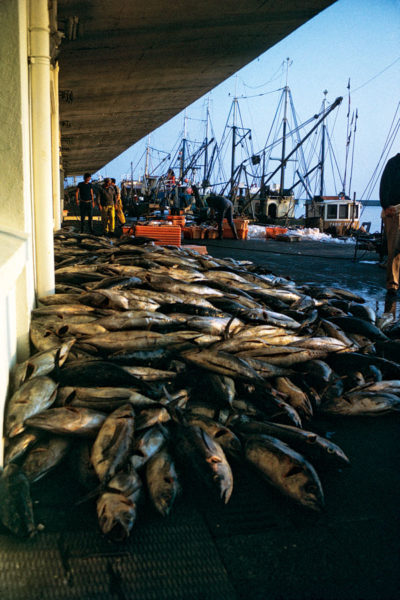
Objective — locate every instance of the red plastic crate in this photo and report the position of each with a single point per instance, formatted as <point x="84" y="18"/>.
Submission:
<point x="164" y="234"/>
<point x="274" y="230"/>
<point x="177" y="219"/>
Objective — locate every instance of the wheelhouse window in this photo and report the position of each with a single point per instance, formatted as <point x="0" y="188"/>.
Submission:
<point x="343" y="211"/>
<point x="331" y="211"/>
<point x="354" y="211"/>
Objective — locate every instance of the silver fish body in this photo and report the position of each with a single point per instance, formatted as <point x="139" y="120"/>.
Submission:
<point x="113" y="443"/>
<point x="363" y="404"/>
<point x="18" y="446"/>
<point x="68" y="420"/>
<point x="203" y="460"/>
<point x="104" y="399"/>
<point x="228" y="441"/>
<point x="41" y="363"/>
<point x="285" y="469"/>
<point x="44" y="457"/>
<point x="34" y="396"/>
<point x="314" y="446"/>
<point x="162" y="481"/>
<point x="146" y="445"/>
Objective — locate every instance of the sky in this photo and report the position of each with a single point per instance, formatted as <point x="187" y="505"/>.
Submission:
<point x="356" y="40"/>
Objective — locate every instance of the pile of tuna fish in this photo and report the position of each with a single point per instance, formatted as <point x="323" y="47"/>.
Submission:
<point x="157" y="369"/>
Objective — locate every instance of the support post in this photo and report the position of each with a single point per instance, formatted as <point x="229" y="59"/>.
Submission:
<point x="39" y="71"/>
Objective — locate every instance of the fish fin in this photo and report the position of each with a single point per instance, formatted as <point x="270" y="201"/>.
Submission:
<point x="226" y="331"/>
<point x="57" y="367"/>
<point x="92" y="494"/>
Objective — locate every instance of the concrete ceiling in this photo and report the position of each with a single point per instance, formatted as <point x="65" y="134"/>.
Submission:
<point x="128" y="66"/>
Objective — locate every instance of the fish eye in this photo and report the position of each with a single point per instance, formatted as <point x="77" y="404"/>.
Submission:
<point x="219" y="433"/>
<point x="330" y="450"/>
<point x="294" y="471"/>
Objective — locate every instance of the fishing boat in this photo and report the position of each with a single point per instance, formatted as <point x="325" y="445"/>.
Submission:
<point x="338" y="214"/>
<point x="277" y="202"/>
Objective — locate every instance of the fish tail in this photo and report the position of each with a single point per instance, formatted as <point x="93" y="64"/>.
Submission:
<point x="173" y="408"/>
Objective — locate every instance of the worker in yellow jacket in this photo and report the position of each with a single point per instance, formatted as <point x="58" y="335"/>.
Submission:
<point x="106" y="200"/>
<point x="118" y="206"/>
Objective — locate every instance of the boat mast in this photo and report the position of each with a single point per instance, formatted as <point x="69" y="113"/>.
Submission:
<point x="283" y="164"/>
<point x="271" y="175"/>
<point x="131" y="180"/>
<point x="182" y="163"/>
<point x="206" y="148"/>
<point x="234" y="128"/>
<point x="322" y="161"/>
<point x="146" y="165"/>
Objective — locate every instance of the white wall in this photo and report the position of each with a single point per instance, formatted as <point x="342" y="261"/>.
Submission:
<point x="22" y="213"/>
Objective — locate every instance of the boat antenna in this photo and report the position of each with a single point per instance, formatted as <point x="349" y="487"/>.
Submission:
<point x="348" y="137"/>
<point x="322" y="159"/>
<point x="352" y="152"/>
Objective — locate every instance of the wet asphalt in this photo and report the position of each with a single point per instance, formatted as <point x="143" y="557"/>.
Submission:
<point x="259" y="546"/>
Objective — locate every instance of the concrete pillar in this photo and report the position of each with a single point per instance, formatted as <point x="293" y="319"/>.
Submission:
<point x="39" y="71"/>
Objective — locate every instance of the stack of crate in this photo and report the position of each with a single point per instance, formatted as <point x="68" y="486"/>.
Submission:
<point x="242" y="228"/>
<point x="193" y="233"/>
<point x="163" y="235"/>
<point x="177" y="220"/>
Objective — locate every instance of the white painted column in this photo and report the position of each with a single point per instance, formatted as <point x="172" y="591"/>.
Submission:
<point x="39" y="70"/>
<point x="55" y="141"/>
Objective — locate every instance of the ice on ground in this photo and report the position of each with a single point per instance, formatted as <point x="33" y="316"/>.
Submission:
<point x="256" y="232"/>
<point x="306" y="233"/>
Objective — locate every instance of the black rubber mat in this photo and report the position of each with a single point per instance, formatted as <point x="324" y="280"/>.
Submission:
<point x="31" y="569"/>
<point x="163" y="559"/>
<point x="325" y="564"/>
<point x="173" y="558"/>
<point x="253" y="507"/>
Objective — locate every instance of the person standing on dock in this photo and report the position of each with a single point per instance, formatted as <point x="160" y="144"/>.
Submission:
<point x="106" y="200"/>
<point x="223" y="209"/>
<point x="85" y="200"/>
<point x="118" y="205"/>
<point x="389" y="195"/>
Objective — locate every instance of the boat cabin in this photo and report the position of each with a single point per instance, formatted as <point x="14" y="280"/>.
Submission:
<point x="339" y="212"/>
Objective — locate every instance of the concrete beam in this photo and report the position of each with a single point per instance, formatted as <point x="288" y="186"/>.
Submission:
<point x="128" y="67"/>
